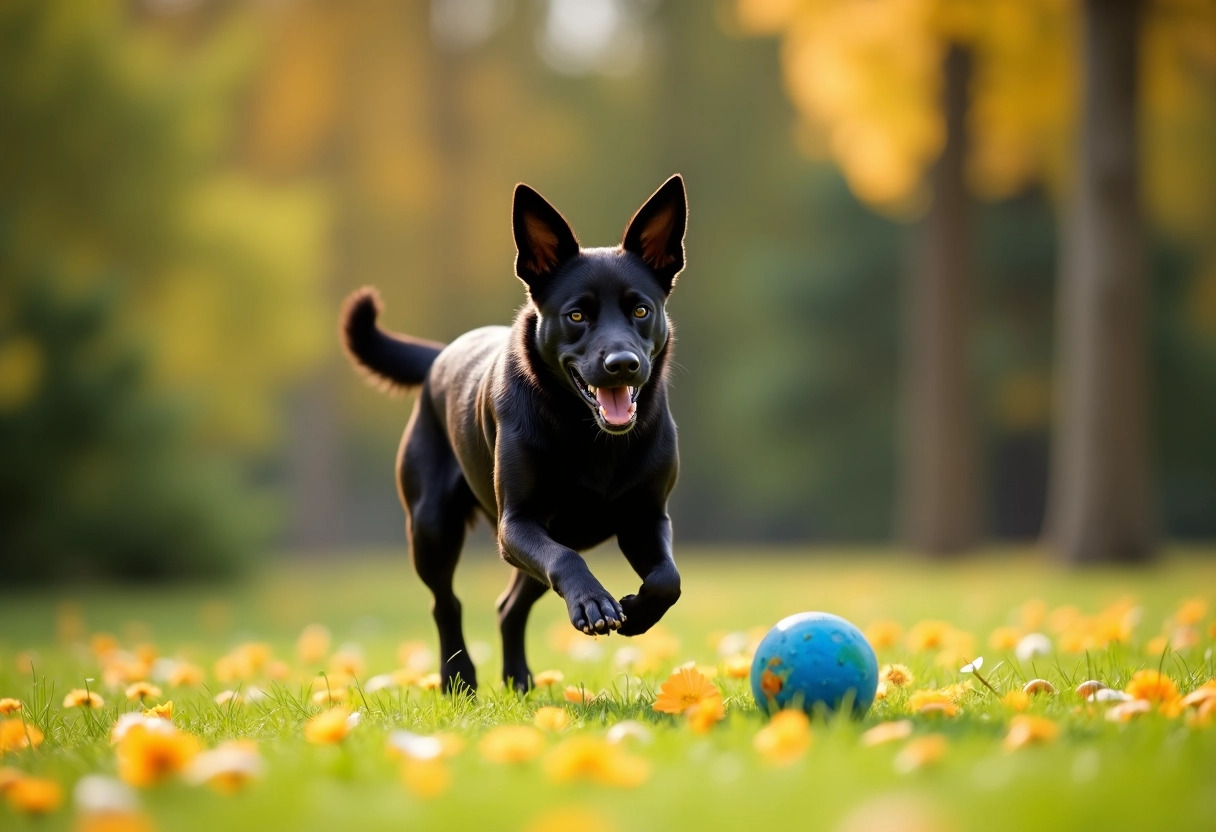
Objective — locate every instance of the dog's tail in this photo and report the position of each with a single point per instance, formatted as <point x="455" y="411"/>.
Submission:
<point x="389" y="360"/>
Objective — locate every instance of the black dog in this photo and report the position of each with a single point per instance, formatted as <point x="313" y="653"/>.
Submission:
<point x="557" y="428"/>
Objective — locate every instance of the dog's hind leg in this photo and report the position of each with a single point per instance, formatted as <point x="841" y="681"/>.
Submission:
<point x="513" y="607"/>
<point x="438" y="504"/>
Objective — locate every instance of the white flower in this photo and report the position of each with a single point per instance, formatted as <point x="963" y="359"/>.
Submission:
<point x="628" y="730"/>
<point x="127" y="721"/>
<point x="1110" y="695"/>
<point x="381" y="682"/>
<point x="98" y="793"/>
<point x="415" y="746"/>
<point x="226" y="761"/>
<point x="973" y="666"/>
<point x="1031" y="646"/>
<point x="353" y="720"/>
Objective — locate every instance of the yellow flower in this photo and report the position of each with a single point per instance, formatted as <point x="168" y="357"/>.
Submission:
<point x="785" y="739"/>
<point x="550" y="718"/>
<point x="1153" y="686"/>
<point x="431" y="681"/>
<point x="82" y="698"/>
<point x="184" y="674"/>
<point x="737" y="667"/>
<point x="883" y="633"/>
<point x="885" y="732"/>
<point x="1027" y="730"/>
<point x="705" y="714"/>
<point x="683" y="689"/>
<point x="164" y="710"/>
<point x="594" y="759"/>
<point x="920" y="752"/>
<point x="1016" y="700"/>
<point x="511" y="744"/>
<point x="9" y="776"/>
<point x="313" y="644"/>
<point x="34" y="795"/>
<point x="329" y="726"/>
<point x="1004" y="638"/>
<point x="103" y="644"/>
<point x="147" y="757"/>
<point x="932" y="703"/>
<point x="9" y="706"/>
<point x="16" y="735"/>
<point x="142" y="691"/>
<point x="426" y="778"/>
<point x="548" y="678"/>
<point x="347" y="662"/>
<point x="896" y="675"/>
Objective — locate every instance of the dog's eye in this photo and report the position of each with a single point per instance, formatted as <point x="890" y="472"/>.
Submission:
<point x="576" y="316"/>
<point x="641" y="312"/>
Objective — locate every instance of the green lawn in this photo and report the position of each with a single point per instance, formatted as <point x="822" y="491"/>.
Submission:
<point x="1155" y="771"/>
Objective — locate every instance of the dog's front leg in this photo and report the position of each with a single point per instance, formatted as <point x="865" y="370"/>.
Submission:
<point x="646" y="543"/>
<point x="527" y="545"/>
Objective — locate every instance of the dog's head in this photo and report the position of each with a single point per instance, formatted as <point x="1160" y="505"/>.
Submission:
<point x="601" y="318"/>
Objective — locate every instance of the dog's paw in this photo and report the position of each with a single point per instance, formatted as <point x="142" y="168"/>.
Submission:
<point x="596" y="613"/>
<point x="638" y="617"/>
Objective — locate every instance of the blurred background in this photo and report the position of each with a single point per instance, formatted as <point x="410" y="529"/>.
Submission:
<point x="951" y="265"/>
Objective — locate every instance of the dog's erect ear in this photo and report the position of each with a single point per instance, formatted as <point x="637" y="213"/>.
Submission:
<point x="656" y="232"/>
<point x="543" y="239"/>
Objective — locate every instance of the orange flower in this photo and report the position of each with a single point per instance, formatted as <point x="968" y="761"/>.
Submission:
<point x="1027" y="730"/>
<point x="683" y="689"/>
<point x="706" y="713"/>
<point x="548" y="678"/>
<point x="330" y="696"/>
<point x="1153" y="686"/>
<point x="313" y="644"/>
<point x="426" y="778"/>
<point x="1200" y="695"/>
<point x="885" y="732"/>
<point x="16" y="735"/>
<point x="1191" y="611"/>
<point x="34" y="795"/>
<point x="9" y="705"/>
<point x="785" y="739"/>
<point x="896" y="675"/>
<point x="511" y="744"/>
<point x="565" y="818"/>
<point x="932" y="702"/>
<point x="883" y="633"/>
<point x="142" y="691"/>
<point x="594" y="759"/>
<point x="82" y="698"/>
<point x="550" y="718"/>
<point x="929" y="635"/>
<point x="920" y="752"/>
<point x="430" y="681"/>
<point x="579" y="695"/>
<point x="117" y="821"/>
<point x="147" y="757"/>
<point x="184" y="674"/>
<point x="329" y="727"/>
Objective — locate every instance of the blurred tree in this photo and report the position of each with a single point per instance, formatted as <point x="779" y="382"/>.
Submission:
<point x="1101" y="506"/>
<point x="116" y="175"/>
<point x="865" y="74"/>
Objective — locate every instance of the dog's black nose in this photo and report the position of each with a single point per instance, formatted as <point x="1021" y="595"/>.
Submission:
<point x="622" y="362"/>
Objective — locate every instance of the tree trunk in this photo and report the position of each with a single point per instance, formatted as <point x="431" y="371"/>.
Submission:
<point x="1100" y="505"/>
<point x="939" y="495"/>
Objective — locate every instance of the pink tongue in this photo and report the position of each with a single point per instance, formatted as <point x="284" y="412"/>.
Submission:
<point x="614" y="402"/>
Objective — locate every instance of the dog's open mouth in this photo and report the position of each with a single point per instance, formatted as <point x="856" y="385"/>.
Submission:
<point x="615" y="406"/>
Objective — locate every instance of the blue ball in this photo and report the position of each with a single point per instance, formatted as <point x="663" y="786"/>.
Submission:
<point x="814" y="660"/>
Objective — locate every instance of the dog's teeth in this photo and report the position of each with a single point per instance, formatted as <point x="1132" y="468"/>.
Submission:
<point x="604" y="413"/>
<point x="633" y="408"/>
<point x="591" y="389"/>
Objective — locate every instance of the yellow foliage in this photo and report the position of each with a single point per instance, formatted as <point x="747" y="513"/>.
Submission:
<point x="21" y="366"/>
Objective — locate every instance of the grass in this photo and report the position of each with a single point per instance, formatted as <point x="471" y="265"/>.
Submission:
<point x="1152" y="772"/>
